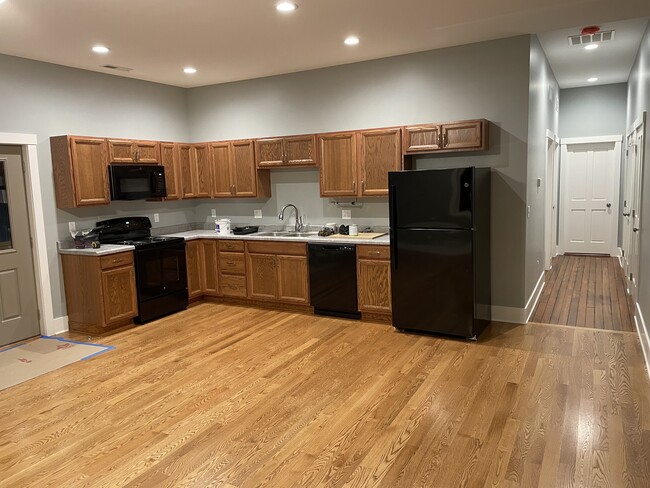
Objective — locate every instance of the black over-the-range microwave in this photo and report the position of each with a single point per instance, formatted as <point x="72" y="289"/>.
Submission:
<point x="137" y="181"/>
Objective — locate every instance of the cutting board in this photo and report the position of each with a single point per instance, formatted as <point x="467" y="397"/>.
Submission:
<point x="362" y="235"/>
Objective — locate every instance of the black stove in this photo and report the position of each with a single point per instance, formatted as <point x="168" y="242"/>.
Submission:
<point x="161" y="271"/>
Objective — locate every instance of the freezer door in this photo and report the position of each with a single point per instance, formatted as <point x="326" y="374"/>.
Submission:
<point x="432" y="281"/>
<point x="431" y="199"/>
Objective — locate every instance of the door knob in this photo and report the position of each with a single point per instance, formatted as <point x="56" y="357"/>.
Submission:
<point x="609" y="205"/>
<point x="635" y="229"/>
<point x="626" y="214"/>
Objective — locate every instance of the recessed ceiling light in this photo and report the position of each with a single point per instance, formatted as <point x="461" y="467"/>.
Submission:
<point x="591" y="47"/>
<point x="286" y="7"/>
<point x="351" y="40"/>
<point x="189" y="70"/>
<point x="100" y="49"/>
<point x="592" y="79"/>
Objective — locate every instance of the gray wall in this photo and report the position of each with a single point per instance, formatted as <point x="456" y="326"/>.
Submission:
<point x="542" y="116"/>
<point x="593" y="110"/>
<point x="46" y="100"/>
<point x="488" y="79"/>
<point x="638" y="102"/>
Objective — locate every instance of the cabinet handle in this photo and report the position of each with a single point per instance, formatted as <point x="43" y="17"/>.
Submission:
<point x="375" y="252"/>
<point x="444" y="140"/>
<point x="363" y="186"/>
<point x="137" y="156"/>
<point x="440" y="139"/>
<point x="354" y="186"/>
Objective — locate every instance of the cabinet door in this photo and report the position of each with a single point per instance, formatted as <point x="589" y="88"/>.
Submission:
<point x="120" y="151"/>
<point x="193" y="257"/>
<point x="373" y="285"/>
<point x="463" y="135"/>
<point x="243" y="170"/>
<point x="338" y="164"/>
<point x="220" y="161"/>
<point x="293" y="279"/>
<point x="169" y="159"/>
<point x="201" y="168"/>
<point x="146" y="152"/>
<point x="119" y="294"/>
<point x="185" y="165"/>
<point x="423" y="138"/>
<point x="209" y="267"/>
<point x="269" y="152"/>
<point x="89" y="166"/>
<point x="300" y="151"/>
<point x="262" y="277"/>
<point x="381" y="152"/>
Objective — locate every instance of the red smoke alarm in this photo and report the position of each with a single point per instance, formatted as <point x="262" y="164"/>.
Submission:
<point x="592" y="29"/>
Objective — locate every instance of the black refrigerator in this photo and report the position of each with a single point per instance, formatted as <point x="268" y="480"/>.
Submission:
<point x="440" y="250"/>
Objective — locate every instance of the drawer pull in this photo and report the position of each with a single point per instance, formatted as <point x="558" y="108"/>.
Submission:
<point x="376" y="252"/>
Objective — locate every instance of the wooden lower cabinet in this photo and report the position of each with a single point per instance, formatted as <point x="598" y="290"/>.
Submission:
<point x="100" y="291"/>
<point x="202" y="268"/>
<point x="232" y="268"/>
<point x="373" y="279"/>
<point x="194" y="264"/>
<point x="277" y="271"/>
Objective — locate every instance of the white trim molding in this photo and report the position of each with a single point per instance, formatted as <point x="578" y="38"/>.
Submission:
<point x="587" y="140"/>
<point x="644" y="336"/>
<point x="47" y="323"/>
<point x="534" y="297"/>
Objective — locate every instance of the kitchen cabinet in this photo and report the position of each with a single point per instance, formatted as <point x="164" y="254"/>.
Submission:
<point x="380" y="151"/>
<point x="80" y="171"/>
<point x="338" y="164"/>
<point x="124" y="151"/>
<point x="468" y="135"/>
<point x="202" y="269"/>
<point x="100" y="291"/>
<point x="169" y="160"/>
<point x="294" y="151"/>
<point x="234" y="173"/>
<point x="232" y="268"/>
<point x="373" y="279"/>
<point x="277" y="271"/>
<point x="194" y="163"/>
<point x="194" y="263"/>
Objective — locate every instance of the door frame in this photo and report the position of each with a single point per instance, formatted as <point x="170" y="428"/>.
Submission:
<point x="617" y="140"/>
<point x="551" y="197"/>
<point x="47" y="323"/>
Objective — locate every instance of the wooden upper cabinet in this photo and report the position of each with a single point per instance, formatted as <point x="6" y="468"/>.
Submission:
<point x="380" y="152"/>
<point x="467" y="135"/>
<point x="194" y="163"/>
<point x="80" y="171"/>
<point x="338" y="164"/>
<point x="234" y="173"/>
<point x="124" y="151"/>
<point x="286" y="152"/>
<point x="169" y="158"/>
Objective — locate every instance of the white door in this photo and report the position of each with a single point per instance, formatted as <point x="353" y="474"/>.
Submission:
<point x="628" y="198"/>
<point x="635" y="216"/>
<point x="550" y="205"/>
<point x="18" y="310"/>
<point x="590" y="176"/>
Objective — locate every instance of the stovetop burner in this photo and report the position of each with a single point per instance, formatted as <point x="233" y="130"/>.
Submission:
<point x="148" y="241"/>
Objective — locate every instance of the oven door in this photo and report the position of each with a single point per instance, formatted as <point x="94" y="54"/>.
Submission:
<point x="137" y="182"/>
<point x="161" y="271"/>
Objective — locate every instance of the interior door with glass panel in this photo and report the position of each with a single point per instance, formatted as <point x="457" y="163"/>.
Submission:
<point x="18" y="306"/>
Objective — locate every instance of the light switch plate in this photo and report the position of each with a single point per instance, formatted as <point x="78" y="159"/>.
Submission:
<point x="346" y="214"/>
<point x="156" y="217"/>
<point x="72" y="227"/>
<point x="213" y="212"/>
<point x="257" y="214"/>
<point x="528" y="212"/>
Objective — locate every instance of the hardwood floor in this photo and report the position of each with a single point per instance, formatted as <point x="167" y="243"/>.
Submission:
<point x="585" y="291"/>
<point x="221" y="395"/>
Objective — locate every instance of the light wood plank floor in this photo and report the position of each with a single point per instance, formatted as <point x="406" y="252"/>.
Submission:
<point x="228" y="396"/>
<point x="585" y="291"/>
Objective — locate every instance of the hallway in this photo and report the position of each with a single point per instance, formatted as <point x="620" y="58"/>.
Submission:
<point x="585" y="291"/>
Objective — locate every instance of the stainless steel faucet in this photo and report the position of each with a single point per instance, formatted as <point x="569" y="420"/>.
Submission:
<point x="299" y="225"/>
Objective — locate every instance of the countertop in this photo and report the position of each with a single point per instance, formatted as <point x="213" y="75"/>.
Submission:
<point x="210" y="234"/>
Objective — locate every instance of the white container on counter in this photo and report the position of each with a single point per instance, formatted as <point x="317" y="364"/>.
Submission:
<point x="353" y="230"/>
<point x="222" y="227"/>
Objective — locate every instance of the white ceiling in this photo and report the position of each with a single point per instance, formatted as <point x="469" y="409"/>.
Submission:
<point x="242" y="39"/>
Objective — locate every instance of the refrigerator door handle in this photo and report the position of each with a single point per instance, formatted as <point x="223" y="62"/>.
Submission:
<point x="393" y="224"/>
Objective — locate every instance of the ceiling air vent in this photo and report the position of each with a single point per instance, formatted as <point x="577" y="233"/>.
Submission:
<point x="116" y="68"/>
<point x="582" y="39"/>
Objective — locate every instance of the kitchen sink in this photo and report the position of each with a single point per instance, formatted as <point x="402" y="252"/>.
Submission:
<point x="286" y="234"/>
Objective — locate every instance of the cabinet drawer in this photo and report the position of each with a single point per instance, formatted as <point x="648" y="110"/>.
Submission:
<point x="373" y="252"/>
<point x="233" y="286"/>
<point x="228" y="245"/>
<point x="116" y="260"/>
<point x="277" y="247"/>
<point x="232" y="263"/>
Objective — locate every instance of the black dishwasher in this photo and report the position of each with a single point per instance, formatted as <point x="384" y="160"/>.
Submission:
<point x="333" y="279"/>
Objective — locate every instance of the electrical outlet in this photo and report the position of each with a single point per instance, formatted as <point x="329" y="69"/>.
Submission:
<point x="346" y="214"/>
<point x="213" y="212"/>
<point x="156" y="217"/>
<point x="257" y="214"/>
<point x="72" y="227"/>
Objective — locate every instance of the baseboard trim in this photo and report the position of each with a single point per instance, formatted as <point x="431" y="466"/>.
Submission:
<point x="534" y="297"/>
<point x="511" y="315"/>
<point x="644" y="337"/>
<point x="57" y="325"/>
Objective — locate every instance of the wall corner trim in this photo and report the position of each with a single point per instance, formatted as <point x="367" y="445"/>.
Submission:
<point x="534" y="297"/>
<point x="58" y="325"/>
<point x="644" y="337"/>
<point x="516" y="315"/>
